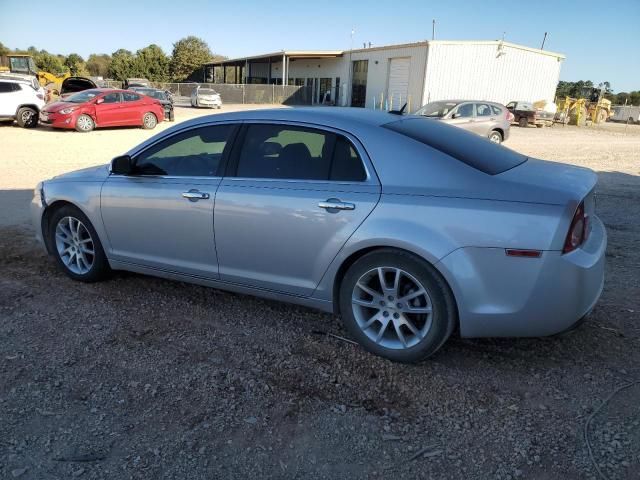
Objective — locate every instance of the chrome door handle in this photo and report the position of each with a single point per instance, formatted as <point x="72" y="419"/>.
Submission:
<point x="195" y="195"/>
<point x="335" y="204"/>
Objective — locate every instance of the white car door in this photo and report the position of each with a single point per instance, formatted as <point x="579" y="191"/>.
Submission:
<point x="8" y="101"/>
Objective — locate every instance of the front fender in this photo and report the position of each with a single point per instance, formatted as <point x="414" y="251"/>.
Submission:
<point x="84" y="195"/>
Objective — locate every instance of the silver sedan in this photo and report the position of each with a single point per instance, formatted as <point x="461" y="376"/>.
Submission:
<point x="406" y="227"/>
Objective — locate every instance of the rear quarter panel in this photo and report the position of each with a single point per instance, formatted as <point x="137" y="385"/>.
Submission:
<point x="433" y="227"/>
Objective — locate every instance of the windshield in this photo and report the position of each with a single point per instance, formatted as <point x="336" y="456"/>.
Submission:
<point x="82" y="97"/>
<point x="436" y="109"/>
<point x="206" y="91"/>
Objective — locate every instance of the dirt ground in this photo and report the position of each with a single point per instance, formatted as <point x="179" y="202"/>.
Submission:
<point x="144" y="378"/>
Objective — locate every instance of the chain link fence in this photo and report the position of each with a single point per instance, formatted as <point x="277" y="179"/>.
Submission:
<point x="236" y="93"/>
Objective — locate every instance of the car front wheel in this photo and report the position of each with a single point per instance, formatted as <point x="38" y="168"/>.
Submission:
<point x="523" y="122"/>
<point x="76" y="245"/>
<point x="85" y="123"/>
<point x="396" y="305"/>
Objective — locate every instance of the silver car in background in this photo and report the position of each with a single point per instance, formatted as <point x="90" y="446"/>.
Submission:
<point x="488" y="119"/>
<point x="405" y="226"/>
<point x="205" y="97"/>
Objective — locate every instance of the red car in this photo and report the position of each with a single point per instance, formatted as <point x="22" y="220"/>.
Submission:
<point x="103" y="107"/>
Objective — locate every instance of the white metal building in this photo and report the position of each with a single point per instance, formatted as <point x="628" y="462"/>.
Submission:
<point x="414" y="73"/>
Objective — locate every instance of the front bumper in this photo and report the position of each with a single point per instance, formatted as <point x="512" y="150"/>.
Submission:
<point x="57" y="120"/>
<point x="209" y="103"/>
<point x="36" y="209"/>
<point x="501" y="296"/>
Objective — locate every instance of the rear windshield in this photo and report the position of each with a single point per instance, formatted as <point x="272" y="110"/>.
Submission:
<point x="469" y="148"/>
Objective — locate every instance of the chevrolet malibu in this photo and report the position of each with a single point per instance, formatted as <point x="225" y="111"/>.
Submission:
<point x="406" y="227"/>
<point x="103" y="107"/>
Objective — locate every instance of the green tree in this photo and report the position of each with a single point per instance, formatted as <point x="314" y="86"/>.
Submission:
<point x="152" y="63"/>
<point x="75" y="63"/>
<point x="189" y="54"/>
<point x="3" y="50"/>
<point x="122" y="65"/>
<point x="48" y="62"/>
<point x="98" y="65"/>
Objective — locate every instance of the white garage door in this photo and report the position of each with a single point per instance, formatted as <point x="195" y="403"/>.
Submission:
<point x="398" y="81"/>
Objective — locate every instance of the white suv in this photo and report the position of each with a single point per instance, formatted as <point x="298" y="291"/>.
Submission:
<point x="21" y="99"/>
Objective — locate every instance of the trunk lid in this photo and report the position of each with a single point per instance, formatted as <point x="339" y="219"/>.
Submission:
<point x="541" y="181"/>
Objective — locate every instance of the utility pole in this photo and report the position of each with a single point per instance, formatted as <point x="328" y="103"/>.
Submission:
<point x="543" y="40"/>
<point x="349" y="86"/>
<point x="433" y="29"/>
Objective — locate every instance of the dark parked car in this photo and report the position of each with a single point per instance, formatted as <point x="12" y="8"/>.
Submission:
<point x="164" y="97"/>
<point x="76" y="84"/>
<point x="526" y="114"/>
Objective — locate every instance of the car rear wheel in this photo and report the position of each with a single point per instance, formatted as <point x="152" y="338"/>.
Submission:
<point x="27" y="117"/>
<point x="523" y="122"/>
<point x="85" y="123"/>
<point x="76" y="245"/>
<point x="396" y="305"/>
<point x="495" y="136"/>
<point x="149" y="121"/>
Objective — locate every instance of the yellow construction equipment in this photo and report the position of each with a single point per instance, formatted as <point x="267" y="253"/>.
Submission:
<point x="24" y="64"/>
<point x="591" y="107"/>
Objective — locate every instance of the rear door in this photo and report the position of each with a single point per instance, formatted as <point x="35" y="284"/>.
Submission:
<point x="293" y="197"/>
<point x="484" y="120"/>
<point x="132" y="108"/>
<point x="9" y="99"/>
<point x="109" y="111"/>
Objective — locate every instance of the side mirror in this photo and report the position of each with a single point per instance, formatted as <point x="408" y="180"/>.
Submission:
<point x="99" y="101"/>
<point x="122" y="165"/>
<point x="456" y="115"/>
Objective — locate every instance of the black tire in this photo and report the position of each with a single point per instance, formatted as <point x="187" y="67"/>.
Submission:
<point x="495" y="136"/>
<point x="523" y="122"/>
<point x="149" y="121"/>
<point x="100" y="266"/>
<point x="27" y="117"/>
<point x="84" y="123"/>
<point x="172" y="115"/>
<point x="540" y="125"/>
<point x="444" y="311"/>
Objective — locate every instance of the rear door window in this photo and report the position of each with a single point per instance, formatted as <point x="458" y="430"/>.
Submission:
<point x="131" y="97"/>
<point x="298" y="153"/>
<point x="6" y="87"/>
<point x="483" y="110"/>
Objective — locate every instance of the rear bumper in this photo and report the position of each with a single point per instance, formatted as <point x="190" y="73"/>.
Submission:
<point x="501" y="296"/>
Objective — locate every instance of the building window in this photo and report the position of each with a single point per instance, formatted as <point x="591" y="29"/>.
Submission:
<point x="359" y="83"/>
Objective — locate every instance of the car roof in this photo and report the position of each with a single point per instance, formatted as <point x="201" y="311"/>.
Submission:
<point x="15" y="79"/>
<point x="315" y="115"/>
<point x="466" y="101"/>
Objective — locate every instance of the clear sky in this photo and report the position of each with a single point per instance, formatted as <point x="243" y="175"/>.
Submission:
<point x="600" y="39"/>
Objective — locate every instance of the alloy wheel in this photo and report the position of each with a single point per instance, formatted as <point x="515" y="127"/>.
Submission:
<point x="392" y="307"/>
<point x="27" y="117"/>
<point x="84" y="123"/>
<point x="75" y="246"/>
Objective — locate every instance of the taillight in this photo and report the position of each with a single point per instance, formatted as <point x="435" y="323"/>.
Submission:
<point x="510" y="116"/>
<point x="578" y="230"/>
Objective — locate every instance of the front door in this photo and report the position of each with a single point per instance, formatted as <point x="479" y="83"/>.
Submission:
<point x="296" y="195"/>
<point x="162" y="215"/>
<point x="462" y="116"/>
<point x="109" y="111"/>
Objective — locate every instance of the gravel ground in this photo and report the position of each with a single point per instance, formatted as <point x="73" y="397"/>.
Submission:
<point x="144" y="378"/>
